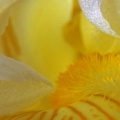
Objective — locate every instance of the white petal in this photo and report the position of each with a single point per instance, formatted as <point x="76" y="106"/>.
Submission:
<point x="20" y="86"/>
<point x="92" y="10"/>
<point x="5" y="9"/>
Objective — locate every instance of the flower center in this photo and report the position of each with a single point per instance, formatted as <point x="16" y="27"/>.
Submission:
<point x="89" y="76"/>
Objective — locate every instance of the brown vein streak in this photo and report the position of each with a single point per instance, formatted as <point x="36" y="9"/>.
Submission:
<point x="20" y="115"/>
<point x="101" y="110"/>
<point x="77" y="112"/>
<point x="110" y="99"/>
<point x="54" y="114"/>
<point x="42" y="115"/>
<point x="32" y="115"/>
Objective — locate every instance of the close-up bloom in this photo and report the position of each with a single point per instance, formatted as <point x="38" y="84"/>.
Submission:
<point x="60" y="60"/>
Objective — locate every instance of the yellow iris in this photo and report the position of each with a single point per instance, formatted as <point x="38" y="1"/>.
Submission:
<point x="49" y="36"/>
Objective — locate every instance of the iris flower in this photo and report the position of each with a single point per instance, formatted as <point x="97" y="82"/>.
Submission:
<point x="76" y="64"/>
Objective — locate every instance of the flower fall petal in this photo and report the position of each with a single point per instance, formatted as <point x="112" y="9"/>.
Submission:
<point x="94" y="109"/>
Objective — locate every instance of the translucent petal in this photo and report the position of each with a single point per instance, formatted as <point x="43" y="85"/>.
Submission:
<point x="92" y="10"/>
<point x="20" y="86"/>
<point x="5" y="9"/>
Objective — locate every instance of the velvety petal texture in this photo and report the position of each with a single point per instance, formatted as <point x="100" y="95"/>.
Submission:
<point x="92" y="10"/>
<point x="20" y="86"/>
<point x="5" y="9"/>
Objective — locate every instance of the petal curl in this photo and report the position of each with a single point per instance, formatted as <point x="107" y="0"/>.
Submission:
<point x="20" y="86"/>
<point x="92" y="10"/>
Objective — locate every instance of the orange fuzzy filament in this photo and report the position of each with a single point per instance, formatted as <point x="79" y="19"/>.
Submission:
<point x="90" y="75"/>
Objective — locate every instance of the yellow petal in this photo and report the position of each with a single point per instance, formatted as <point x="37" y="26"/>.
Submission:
<point x="94" y="40"/>
<point x="5" y="10"/>
<point x="85" y="37"/>
<point x="71" y="30"/>
<point x="111" y="11"/>
<point x="92" y="10"/>
<point x="20" y="86"/>
<point x="38" y="26"/>
<point x="97" y="108"/>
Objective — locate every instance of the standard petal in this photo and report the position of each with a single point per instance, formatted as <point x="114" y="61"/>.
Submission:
<point x="85" y="37"/>
<point x="92" y="10"/>
<point x="5" y="9"/>
<point x="20" y="86"/>
<point x="38" y="27"/>
<point x="95" y="40"/>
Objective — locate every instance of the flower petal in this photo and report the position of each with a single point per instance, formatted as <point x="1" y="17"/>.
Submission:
<point x="92" y="10"/>
<point x="95" y="40"/>
<point x="5" y="9"/>
<point x="20" y="86"/>
<point x="111" y="11"/>
<point x="40" y="36"/>
<point x="97" y="108"/>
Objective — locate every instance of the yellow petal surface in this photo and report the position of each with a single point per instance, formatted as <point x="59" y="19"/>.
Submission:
<point x="38" y="26"/>
<point x="111" y="11"/>
<point x="94" y="109"/>
<point x="5" y="10"/>
<point x="92" y="10"/>
<point x="20" y="86"/>
<point x="85" y="37"/>
<point x="94" y="40"/>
